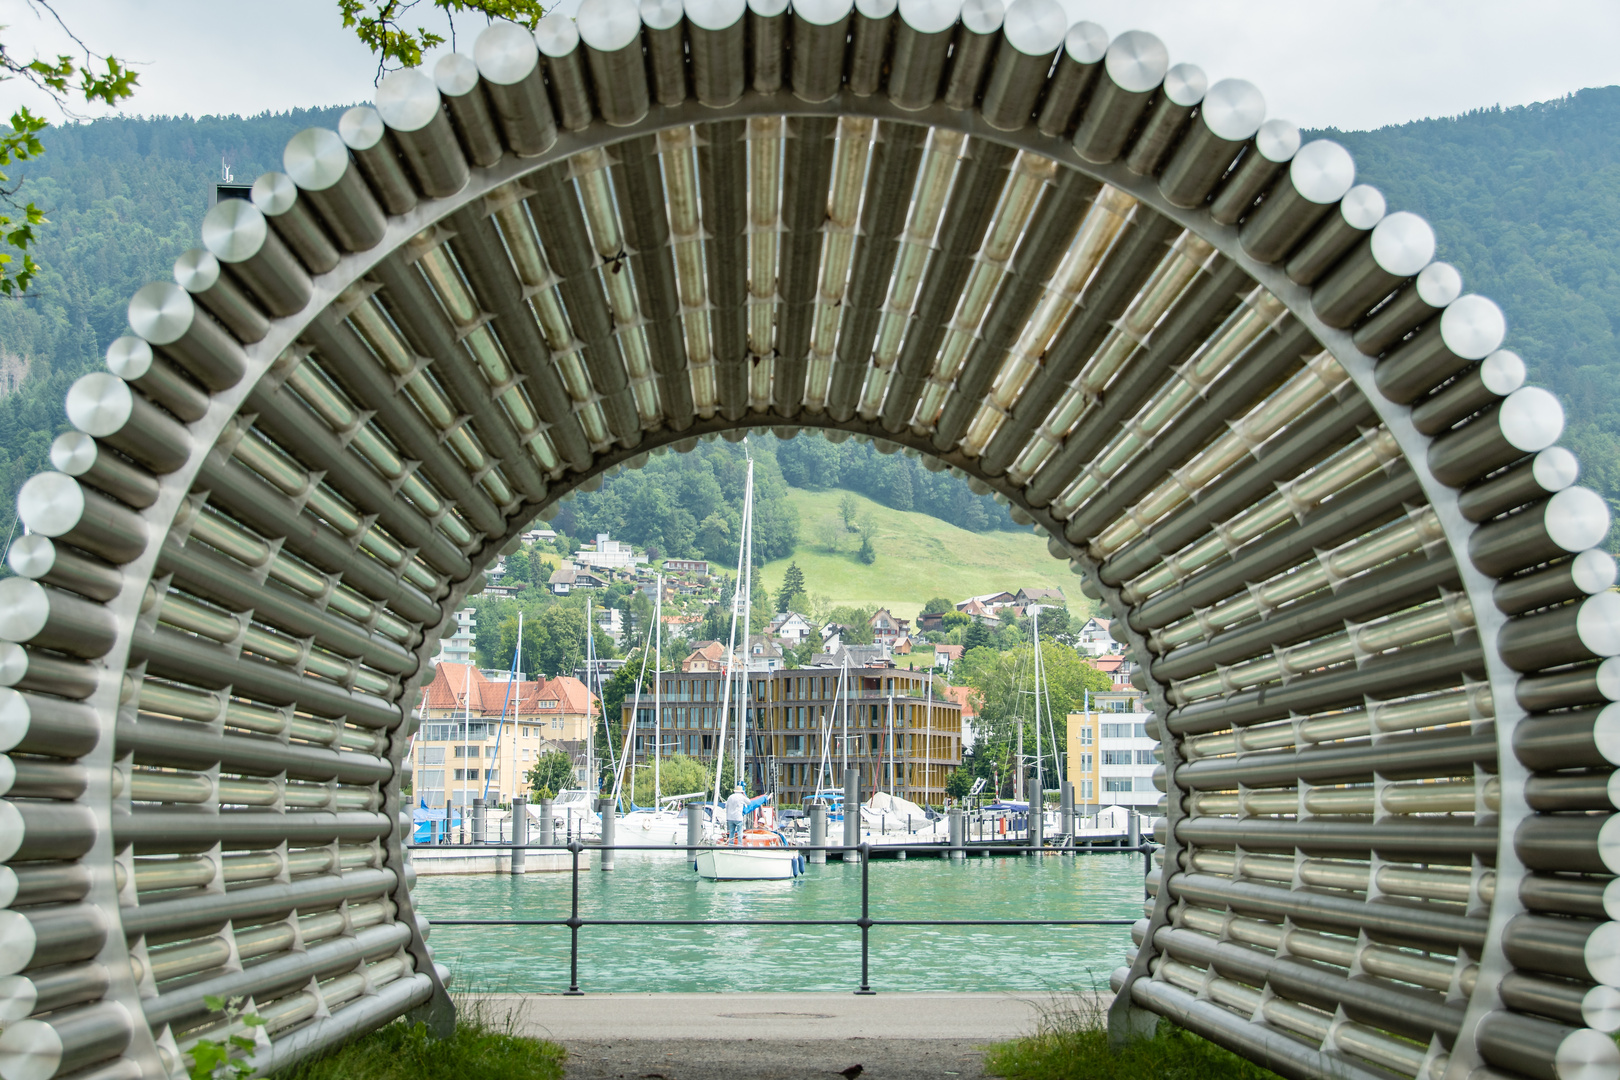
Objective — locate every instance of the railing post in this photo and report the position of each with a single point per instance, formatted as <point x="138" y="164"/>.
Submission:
<point x="548" y="822"/>
<point x="958" y="827"/>
<point x="694" y="828"/>
<point x="573" y="927"/>
<point x="1067" y="805"/>
<point x="1035" y="822"/>
<point x="852" y="813"/>
<point x="1133" y="830"/>
<point x="520" y="833"/>
<point x="609" y="819"/>
<point x="818" y="831"/>
<point x="865" y="921"/>
<point x="479" y="834"/>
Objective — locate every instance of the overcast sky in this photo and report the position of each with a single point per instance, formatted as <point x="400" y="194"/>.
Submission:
<point x="1320" y="63"/>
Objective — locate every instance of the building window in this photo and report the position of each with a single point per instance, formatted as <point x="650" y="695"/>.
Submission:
<point x="430" y="778"/>
<point x="1085" y="790"/>
<point x="430" y="755"/>
<point x="1117" y="783"/>
<point x="1116" y="757"/>
<point x="1085" y="736"/>
<point x="1145" y="757"/>
<point x="1145" y="783"/>
<point x="1085" y="764"/>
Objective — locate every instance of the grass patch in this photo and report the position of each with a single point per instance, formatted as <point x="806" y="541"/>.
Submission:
<point x="1072" y="1044"/>
<point x="405" y="1051"/>
<point x="918" y="557"/>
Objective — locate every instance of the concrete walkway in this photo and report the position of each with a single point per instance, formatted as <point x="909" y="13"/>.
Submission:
<point x="769" y="1036"/>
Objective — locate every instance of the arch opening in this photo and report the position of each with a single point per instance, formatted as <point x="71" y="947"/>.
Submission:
<point x="1236" y="393"/>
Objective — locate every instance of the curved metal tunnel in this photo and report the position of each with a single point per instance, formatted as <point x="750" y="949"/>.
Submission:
<point x="1239" y="397"/>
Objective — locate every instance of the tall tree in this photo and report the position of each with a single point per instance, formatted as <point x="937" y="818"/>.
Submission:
<point x="792" y="595"/>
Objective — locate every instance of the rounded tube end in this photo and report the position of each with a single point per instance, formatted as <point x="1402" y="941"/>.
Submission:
<point x="556" y="35"/>
<point x="1322" y="171"/>
<point x="1438" y="284"/>
<point x="407" y="100"/>
<point x="1403" y="243"/>
<point x="1137" y="61"/>
<point x="1585" y="1054"/>
<point x="1531" y="419"/>
<point x="74" y="453"/>
<point x="923" y="16"/>
<point x="24" y="609"/>
<point x="1600" y="1008"/>
<point x="274" y="193"/>
<point x="32" y="1050"/>
<point x="50" y="503"/>
<point x="506" y="53"/>
<point x="1593" y="571"/>
<point x="1576" y="518"/>
<point x="1502" y="372"/>
<point x="13" y="669"/>
<point x="1602" y="950"/>
<point x="315" y="159"/>
<point x="455" y="74"/>
<point x="1597" y="624"/>
<point x="1086" y="42"/>
<point x="657" y="15"/>
<point x="1234" y="108"/>
<point x="814" y="12"/>
<point x="234" y="230"/>
<point x="1362" y="207"/>
<point x="1186" y="85"/>
<point x="360" y="128"/>
<point x="32" y="556"/>
<point x="1473" y="327"/>
<point x="130" y="357"/>
<point x="1277" y="140"/>
<point x="983" y="16"/>
<point x="608" y="25"/>
<point x="100" y="403"/>
<point x="1035" y="27"/>
<point x="196" y="271"/>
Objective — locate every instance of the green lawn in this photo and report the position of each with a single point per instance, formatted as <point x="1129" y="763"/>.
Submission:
<point x="918" y="557"/>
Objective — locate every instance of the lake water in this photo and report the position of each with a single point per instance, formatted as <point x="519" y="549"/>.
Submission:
<point x="768" y="958"/>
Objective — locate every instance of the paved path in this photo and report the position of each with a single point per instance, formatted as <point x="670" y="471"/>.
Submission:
<point x="769" y="1036"/>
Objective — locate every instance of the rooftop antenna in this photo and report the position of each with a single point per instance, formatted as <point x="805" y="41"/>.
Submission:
<point x="225" y="176"/>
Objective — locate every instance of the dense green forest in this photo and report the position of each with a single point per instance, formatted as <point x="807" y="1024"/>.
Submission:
<point x="1526" y="202"/>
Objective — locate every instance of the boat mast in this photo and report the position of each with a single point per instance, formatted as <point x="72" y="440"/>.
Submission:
<point x="589" y="782"/>
<point x="731" y="655"/>
<point x="748" y="601"/>
<point x="466" y="738"/>
<point x="1040" y="780"/>
<point x="500" y="728"/>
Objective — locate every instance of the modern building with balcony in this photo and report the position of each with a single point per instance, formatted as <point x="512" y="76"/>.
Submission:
<point x="1111" y="758"/>
<point x="901" y="730"/>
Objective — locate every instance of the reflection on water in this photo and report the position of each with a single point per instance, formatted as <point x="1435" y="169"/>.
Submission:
<point x="765" y="958"/>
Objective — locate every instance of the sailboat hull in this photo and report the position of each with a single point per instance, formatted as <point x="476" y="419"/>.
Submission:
<point x="747" y="864"/>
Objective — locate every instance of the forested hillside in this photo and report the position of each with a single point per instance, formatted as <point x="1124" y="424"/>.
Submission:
<point x="1526" y="202"/>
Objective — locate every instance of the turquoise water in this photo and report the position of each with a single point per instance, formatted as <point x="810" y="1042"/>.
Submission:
<point x="767" y="958"/>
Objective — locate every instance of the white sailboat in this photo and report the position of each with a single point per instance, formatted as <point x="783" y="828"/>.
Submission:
<point x="756" y="854"/>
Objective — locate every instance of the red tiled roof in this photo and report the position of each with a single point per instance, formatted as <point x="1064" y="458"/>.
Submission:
<point x="452" y="683"/>
<point x="963" y="696"/>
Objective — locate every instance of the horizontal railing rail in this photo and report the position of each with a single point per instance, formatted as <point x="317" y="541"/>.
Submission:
<point x="863" y="922"/>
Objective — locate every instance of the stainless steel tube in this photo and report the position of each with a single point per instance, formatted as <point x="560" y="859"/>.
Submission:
<point x="1319" y="175"/>
<point x="1471" y="328"/>
<point x="132" y="359"/>
<point x="1586" y="630"/>
<point x="1359" y="211"/>
<point x="509" y="63"/>
<point x="820" y="28"/>
<point x="1496" y="376"/>
<point x="1546" y="473"/>
<point x="51" y="619"/>
<point x="317" y="160"/>
<point x="767" y="44"/>
<point x="1584" y="738"/>
<point x="81" y="456"/>
<point x="922" y="43"/>
<point x="240" y="237"/>
<point x="1229" y="115"/>
<point x="1571" y="521"/>
<point x="364" y="133"/>
<point x="666" y="49"/>
<point x="611" y="32"/>
<point x="869" y="45"/>
<point x="59" y="507"/>
<point x="103" y="405"/>
<point x="565" y="70"/>
<point x="1435" y="287"/>
<point x="38" y="558"/>
<point x="1589" y="573"/>
<point x="1031" y="34"/>
<point x="1133" y="68"/>
<point x="1545" y="1050"/>
<point x="1084" y="46"/>
<point x="717" y="37"/>
<point x="199" y="273"/>
<point x="1585" y="684"/>
<point x="1275" y="144"/>
<point x="164" y="315"/>
<point x="1400" y="246"/>
<point x="1182" y="91"/>
<point x="276" y="196"/>
<point x="45" y="673"/>
<point x="409" y="104"/>
<point x="976" y="36"/>
<point x="456" y="76"/>
<point x="1525" y="422"/>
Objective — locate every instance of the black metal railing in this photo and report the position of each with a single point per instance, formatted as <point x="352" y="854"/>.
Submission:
<point x="864" y="922"/>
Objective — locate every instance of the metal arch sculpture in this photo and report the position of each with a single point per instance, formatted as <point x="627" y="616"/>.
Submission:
<point x="1241" y="398"/>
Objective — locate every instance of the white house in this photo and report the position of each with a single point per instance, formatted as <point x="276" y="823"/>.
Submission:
<point x="792" y="627"/>
<point x="457" y="648"/>
<point x="1094" y="639"/>
<point x="608" y="553"/>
